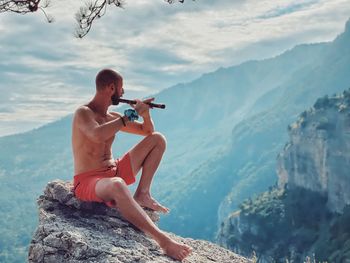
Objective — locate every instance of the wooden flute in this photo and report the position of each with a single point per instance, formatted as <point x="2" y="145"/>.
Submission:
<point x="152" y="105"/>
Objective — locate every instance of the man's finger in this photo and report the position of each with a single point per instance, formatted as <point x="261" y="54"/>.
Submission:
<point x="136" y="104"/>
<point x="148" y="100"/>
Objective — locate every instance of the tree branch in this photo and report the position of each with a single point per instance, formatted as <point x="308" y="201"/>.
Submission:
<point x="19" y="6"/>
<point x="93" y="10"/>
<point x="85" y="16"/>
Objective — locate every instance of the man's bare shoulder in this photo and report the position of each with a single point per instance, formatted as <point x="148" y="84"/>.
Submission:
<point x="83" y="110"/>
<point x="83" y="114"/>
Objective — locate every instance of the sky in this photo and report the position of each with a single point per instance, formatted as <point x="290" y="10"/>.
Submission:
<point x="46" y="72"/>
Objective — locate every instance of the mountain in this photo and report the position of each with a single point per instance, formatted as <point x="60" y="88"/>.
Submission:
<point x="308" y="214"/>
<point x="258" y="140"/>
<point x="223" y="130"/>
<point x="247" y="166"/>
<point x="317" y="156"/>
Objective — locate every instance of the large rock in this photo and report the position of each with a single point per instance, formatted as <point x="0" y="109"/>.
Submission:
<point x="318" y="155"/>
<point x="73" y="231"/>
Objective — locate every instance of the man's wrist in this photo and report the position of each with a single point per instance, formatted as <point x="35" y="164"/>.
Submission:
<point x="146" y="116"/>
<point x="131" y="114"/>
<point x="124" y="120"/>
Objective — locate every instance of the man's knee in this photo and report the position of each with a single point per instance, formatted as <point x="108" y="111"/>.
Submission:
<point x="118" y="187"/>
<point x="159" y="139"/>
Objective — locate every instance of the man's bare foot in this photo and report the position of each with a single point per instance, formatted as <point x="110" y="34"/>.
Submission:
<point x="174" y="249"/>
<point x="145" y="200"/>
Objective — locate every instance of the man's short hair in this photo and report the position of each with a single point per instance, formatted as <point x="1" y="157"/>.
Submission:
<point x="106" y="77"/>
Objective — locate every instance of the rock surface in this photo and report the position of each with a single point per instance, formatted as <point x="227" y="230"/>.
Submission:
<point x="318" y="154"/>
<point x="314" y="165"/>
<point x="73" y="231"/>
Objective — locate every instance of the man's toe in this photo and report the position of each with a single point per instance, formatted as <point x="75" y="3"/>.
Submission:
<point x="164" y="209"/>
<point x="161" y="208"/>
<point x="188" y="249"/>
<point x="184" y="254"/>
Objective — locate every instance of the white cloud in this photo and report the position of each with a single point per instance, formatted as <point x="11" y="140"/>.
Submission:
<point x="46" y="72"/>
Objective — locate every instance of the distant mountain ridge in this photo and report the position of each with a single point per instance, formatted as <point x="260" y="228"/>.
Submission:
<point x="223" y="130"/>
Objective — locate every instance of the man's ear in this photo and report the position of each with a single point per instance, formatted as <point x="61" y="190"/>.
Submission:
<point x="111" y="87"/>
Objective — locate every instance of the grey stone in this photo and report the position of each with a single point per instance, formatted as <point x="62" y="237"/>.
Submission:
<point x="73" y="231"/>
<point x="319" y="159"/>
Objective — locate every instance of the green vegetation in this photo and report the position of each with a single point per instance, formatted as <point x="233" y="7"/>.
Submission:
<point x="28" y="162"/>
<point x="291" y="224"/>
<point x="322" y="102"/>
<point x="325" y="124"/>
<point x="338" y="101"/>
<point x="320" y="115"/>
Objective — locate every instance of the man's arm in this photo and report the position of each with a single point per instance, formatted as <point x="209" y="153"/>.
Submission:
<point x="148" y="124"/>
<point x="145" y="128"/>
<point x="84" y="119"/>
<point x="140" y="128"/>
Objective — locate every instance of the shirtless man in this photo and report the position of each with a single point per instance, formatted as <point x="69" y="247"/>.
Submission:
<point x="101" y="178"/>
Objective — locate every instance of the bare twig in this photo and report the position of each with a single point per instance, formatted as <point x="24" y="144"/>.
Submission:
<point x="93" y="10"/>
<point x="85" y="16"/>
<point x="44" y="5"/>
<point x="19" y="6"/>
<point x="172" y="1"/>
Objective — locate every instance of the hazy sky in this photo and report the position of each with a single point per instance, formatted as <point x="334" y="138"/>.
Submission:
<point x="45" y="72"/>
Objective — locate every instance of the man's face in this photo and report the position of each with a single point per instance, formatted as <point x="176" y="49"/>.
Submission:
<point x="119" y="91"/>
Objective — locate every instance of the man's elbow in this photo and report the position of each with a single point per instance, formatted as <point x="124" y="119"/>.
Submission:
<point x="148" y="131"/>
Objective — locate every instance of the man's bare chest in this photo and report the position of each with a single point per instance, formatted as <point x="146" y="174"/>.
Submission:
<point x="102" y="120"/>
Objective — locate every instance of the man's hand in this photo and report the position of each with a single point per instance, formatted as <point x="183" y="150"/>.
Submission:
<point x="142" y="108"/>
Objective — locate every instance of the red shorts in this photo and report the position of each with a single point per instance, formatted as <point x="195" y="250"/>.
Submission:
<point x="85" y="183"/>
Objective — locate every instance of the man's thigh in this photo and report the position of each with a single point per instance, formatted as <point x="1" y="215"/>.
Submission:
<point x="111" y="189"/>
<point x="104" y="188"/>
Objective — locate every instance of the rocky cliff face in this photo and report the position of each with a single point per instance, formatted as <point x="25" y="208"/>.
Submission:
<point x="318" y="154"/>
<point x="74" y="231"/>
<point x="310" y="216"/>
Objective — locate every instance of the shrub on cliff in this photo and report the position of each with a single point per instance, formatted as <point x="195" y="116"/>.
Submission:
<point x="298" y="218"/>
<point x="322" y="102"/>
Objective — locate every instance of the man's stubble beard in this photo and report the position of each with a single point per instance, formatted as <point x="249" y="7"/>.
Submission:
<point x="115" y="99"/>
